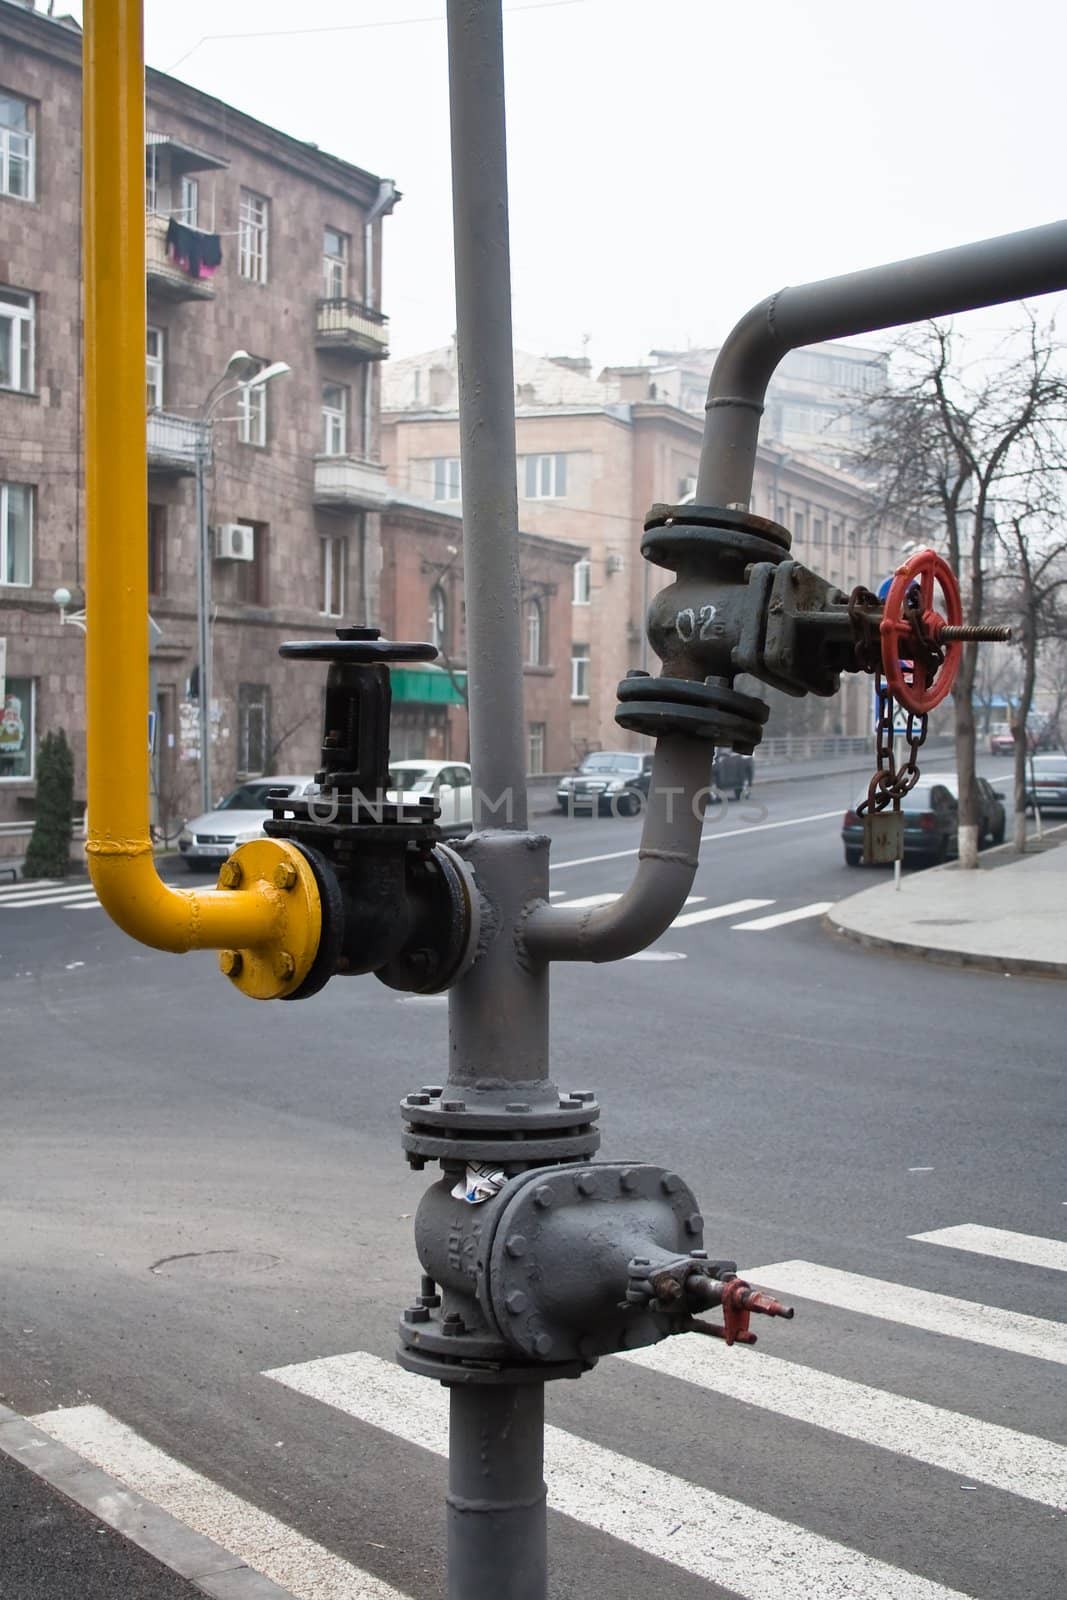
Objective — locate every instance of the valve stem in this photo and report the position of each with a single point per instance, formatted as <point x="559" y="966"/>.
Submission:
<point x="973" y="633"/>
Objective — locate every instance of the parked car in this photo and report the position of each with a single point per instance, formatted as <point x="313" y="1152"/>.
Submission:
<point x="207" y="840"/>
<point x="931" y="820"/>
<point x="448" y="781"/>
<point x="619" y="779"/>
<point x="1001" y="739"/>
<point x="1046" y="783"/>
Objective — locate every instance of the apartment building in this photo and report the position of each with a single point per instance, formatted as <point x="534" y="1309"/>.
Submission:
<point x="262" y="251"/>
<point x="593" y="454"/>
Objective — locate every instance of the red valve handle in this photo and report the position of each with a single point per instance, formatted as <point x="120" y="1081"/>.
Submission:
<point x="911" y="637"/>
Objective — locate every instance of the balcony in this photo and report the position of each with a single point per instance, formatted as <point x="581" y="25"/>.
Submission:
<point x="173" y="442"/>
<point x="349" y="481"/>
<point x="352" y="329"/>
<point x="168" y="278"/>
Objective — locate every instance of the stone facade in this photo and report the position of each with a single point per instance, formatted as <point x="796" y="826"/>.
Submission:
<point x="298" y="499"/>
<point x="622" y="452"/>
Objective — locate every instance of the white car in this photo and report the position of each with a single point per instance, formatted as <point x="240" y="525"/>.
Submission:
<point x="207" y="840"/>
<point x="448" y="781"/>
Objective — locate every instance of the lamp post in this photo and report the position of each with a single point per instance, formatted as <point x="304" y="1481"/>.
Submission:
<point x="219" y="391"/>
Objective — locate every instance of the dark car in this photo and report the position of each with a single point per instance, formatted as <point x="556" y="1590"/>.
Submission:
<point x="618" y="779"/>
<point x="1046" y="783"/>
<point x="931" y="820"/>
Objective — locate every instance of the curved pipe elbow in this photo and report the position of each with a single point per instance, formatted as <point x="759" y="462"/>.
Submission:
<point x="142" y="905"/>
<point x="611" y="933"/>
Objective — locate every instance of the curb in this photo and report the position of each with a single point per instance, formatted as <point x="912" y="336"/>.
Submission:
<point x="205" y="1565"/>
<point x="1009" y="966"/>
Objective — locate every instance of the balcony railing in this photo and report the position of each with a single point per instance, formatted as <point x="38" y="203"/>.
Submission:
<point x="352" y="328"/>
<point x="173" y="442"/>
<point x="349" y="481"/>
<point x="165" y="276"/>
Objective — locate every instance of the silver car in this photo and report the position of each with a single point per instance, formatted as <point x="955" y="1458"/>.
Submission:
<point x="207" y="840"/>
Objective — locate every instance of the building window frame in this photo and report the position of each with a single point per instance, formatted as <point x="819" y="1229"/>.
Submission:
<point x="335" y="258"/>
<point x="187" y="209"/>
<point x="439" y="618"/>
<point x="155" y="366"/>
<point x="13" y="709"/>
<point x="18" y="309"/>
<point x="580" y="672"/>
<point x="253" y="730"/>
<point x="545" y="476"/>
<point x="253" y="236"/>
<point x="157" y="549"/>
<point x="533" y="633"/>
<point x="18" y="149"/>
<point x="535" y="749"/>
<point x="334" y="419"/>
<point x="252" y="412"/>
<point x="446" y="477"/>
<point x="334" y="574"/>
<point x="582" y="592"/>
<point x="252" y="580"/>
<point x="16" y="573"/>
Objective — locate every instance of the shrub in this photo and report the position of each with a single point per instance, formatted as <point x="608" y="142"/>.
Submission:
<point x="48" y="855"/>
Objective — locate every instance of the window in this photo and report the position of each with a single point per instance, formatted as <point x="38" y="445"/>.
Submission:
<point x="17" y="732"/>
<point x="818" y="530"/>
<point x="545" y="477"/>
<point x="334" y="264"/>
<point x="535" y="749"/>
<point x="16" y="147"/>
<point x="835" y="535"/>
<point x="253" y="729"/>
<point x="252" y="412"/>
<point x="533" y="620"/>
<point x="188" y="208"/>
<point x="334" y="419"/>
<point x="250" y="577"/>
<point x="253" y="223"/>
<point x="334" y="575"/>
<point x="16" y="534"/>
<point x="157" y="549"/>
<point x="17" y="317"/>
<point x="439" y="617"/>
<point x="687" y="485"/>
<point x="798" y="524"/>
<point x="154" y="367"/>
<point x="580" y="672"/>
<point x="583" y="581"/>
<point x="446" y="478"/>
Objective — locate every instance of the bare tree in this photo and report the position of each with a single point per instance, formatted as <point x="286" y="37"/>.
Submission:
<point x="952" y="451"/>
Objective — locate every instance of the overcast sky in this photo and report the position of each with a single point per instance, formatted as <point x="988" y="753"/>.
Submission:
<point x="671" y="160"/>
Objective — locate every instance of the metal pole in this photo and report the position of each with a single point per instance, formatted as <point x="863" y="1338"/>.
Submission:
<point x="487" y="411"/>
<point x="497" y="1544"/>
<point x="203" y="614"/>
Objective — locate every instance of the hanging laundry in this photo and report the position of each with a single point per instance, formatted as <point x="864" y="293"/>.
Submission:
<point x="198" y="254"/>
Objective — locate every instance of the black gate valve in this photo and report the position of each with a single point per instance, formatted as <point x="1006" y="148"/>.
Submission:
<point x="395" y="900"/>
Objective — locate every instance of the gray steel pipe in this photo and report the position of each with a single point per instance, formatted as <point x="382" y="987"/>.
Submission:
<point x="667" y="860"/>
<point x="497" y="1537"/>
<point x="487" y="411"/>
<point x="1010" y="267"/>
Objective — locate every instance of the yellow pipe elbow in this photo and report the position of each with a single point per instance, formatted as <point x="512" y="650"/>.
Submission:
<point x="266" y="916"/>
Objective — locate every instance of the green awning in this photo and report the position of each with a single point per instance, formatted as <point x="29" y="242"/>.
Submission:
<point x="428" y="685"/>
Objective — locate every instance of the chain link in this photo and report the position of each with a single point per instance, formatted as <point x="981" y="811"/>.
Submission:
<point x="890" y="784"/>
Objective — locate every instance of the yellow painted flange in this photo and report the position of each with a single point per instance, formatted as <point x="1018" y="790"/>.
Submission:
<point x="277" y="967"/>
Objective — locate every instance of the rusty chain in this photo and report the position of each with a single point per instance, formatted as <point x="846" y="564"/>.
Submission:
<point x="890" y="784"/>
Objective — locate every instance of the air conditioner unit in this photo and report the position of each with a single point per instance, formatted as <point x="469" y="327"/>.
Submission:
<point x="235" y="541"/>
<point x="613" y="564"/>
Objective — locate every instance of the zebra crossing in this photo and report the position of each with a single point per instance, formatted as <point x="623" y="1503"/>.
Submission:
<point x="724" y="1539"/>
<point x="54" y="892"/>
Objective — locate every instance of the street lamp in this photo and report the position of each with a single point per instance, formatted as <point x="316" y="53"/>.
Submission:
<point x="62" y="598"/>
<point x="239" y="362"/>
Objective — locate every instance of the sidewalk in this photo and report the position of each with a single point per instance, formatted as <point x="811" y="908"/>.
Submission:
<point x="1009" y="916"/>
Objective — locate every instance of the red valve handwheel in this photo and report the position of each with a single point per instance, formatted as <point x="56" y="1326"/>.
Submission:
<point x="900" y="640"/>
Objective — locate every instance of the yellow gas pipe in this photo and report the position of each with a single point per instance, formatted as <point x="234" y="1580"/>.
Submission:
<point x="267" y="920"/>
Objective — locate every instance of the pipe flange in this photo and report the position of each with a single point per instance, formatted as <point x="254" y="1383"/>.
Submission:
<point x="695" y="536"/>
<point x="463" y="1124"/>
<point x="712" y="711"/>
<point x="279" y="966"/>
<point x="458" y="1370"/>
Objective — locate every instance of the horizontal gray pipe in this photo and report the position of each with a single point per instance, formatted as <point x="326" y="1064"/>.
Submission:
<point x="1011" y="267"/>
<point x="667" y="862"/>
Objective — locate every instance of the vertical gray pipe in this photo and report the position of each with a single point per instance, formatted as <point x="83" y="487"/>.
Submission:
<point x="497" y="1547"/>
<point x="487" y="411"/>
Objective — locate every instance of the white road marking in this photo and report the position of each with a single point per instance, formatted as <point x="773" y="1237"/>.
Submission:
<point x="45" y="891"/>
<point x="748" y="1552"/>
<point x="705" y="838"/>
<point x="80" y="897"/>
<point x="657" y="955"/>
<point x="1007" y="1246"/>
<point x="917" y="1308"/>
<point x="736" y="908"/>
<point x="779" y="919"/>
<point x="305" y="1569"/>
<point x="1022" y="1464"/>
<point x="590" y="900"/>
<point x="554" y="894"/>
<point x="24" y="885"/>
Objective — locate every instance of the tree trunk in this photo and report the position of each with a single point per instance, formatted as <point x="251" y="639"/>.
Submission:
<point x="965" y="758"/>
<point x="1020" y="721"/>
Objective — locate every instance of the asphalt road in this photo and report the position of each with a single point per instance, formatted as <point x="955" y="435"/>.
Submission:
<point x="195" y="1191"/>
